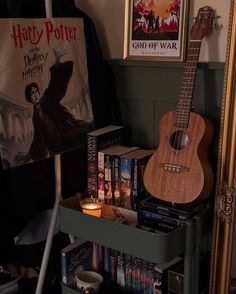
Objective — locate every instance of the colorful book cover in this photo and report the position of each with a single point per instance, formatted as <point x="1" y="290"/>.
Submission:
<point x="75" y="257"/>
<point x="97" y="140"/>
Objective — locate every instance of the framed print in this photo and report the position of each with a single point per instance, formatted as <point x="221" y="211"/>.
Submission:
<point x="156" y="29"/>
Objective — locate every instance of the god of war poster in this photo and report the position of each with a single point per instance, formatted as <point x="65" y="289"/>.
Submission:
<point x="44" y="93"/>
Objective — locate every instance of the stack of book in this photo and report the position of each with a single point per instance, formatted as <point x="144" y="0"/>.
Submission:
<point x="166" y="216"/>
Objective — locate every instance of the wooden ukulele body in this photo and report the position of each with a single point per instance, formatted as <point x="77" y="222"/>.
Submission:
<point x="179" y="170"/>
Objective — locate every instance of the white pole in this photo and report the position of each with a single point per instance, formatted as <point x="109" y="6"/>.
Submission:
<point x="57" y="169"/>
<point x="48" y="245"/>
<point x="48" y="8"/>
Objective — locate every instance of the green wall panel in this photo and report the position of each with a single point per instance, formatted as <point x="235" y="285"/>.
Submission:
<point x="140" y="115"/>
<point x="146" y="90"/>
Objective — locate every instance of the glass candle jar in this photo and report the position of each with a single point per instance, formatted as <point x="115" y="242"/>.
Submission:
<point x="92" y="206"/>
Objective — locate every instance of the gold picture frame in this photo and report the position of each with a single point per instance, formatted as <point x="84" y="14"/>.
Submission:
<point x="155" y="29"/>
<point x="224" y="217"/>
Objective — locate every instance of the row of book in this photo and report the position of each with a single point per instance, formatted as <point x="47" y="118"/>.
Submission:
<point x="122" y="272"/>
<point x="120" y="175"/>
<point x="125" y="273"/>
<point x="115" y="171"/>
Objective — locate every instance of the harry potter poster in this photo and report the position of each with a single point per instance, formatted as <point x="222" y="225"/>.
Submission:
<point x="44" y="92"/>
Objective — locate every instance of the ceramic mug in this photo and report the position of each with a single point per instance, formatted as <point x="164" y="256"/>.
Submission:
<point x="89" y="281"/>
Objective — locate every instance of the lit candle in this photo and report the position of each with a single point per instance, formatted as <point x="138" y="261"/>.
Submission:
<point x="92" y="206"/>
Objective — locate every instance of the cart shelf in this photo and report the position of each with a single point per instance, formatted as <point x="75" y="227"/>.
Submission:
<point x="155" y="247"/>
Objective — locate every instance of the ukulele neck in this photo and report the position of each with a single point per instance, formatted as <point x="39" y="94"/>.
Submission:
<point x="187" y="85"/>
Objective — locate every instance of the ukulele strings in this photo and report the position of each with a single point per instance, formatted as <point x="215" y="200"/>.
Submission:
<point x="181" y="119"/>
<point x="184" y="106"/>
<point x="181" y="122"/>
<point x="187" y="88"/>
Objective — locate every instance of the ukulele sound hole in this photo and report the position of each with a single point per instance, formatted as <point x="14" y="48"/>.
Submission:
<point x="178" y="140"/>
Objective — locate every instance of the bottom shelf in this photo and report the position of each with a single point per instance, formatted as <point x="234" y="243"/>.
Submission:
<point x="187" y="240"/>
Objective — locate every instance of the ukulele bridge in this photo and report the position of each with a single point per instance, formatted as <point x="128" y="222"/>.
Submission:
<point x="174" y="168"/>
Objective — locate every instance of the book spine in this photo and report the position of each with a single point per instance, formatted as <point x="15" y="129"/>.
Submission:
<point x="101" y="176"/>
<point x="95" y="258"/>
<point x="125" y="182"/>
<point x="100" y="258"/>
<point x="139" y="192"/>
<point x="63" y="268"/>
<point x="92" y="165"/>
<point x="136" y="179"/>
<point x="150" y="277"/>
<point x="159" y="282"/>
<point x="113" y="267"/>
<point x="108" y="178"/>
<point x="139" y="276"/>
<point x="120" y="271"/>
<point x="136" y="277"/>
<point x="145" y="276"/>
<point x="168" y="212"/>
<point x="157" y="221"/>
<point x="128" y="273"/>
<point x="106" y="265"/>
<point x="116" y="181"/>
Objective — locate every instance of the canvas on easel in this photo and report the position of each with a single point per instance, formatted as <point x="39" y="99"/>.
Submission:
<point x="44" y="90"/>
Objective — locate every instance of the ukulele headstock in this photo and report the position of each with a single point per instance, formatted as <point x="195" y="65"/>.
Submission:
<point x="202" y="24"/>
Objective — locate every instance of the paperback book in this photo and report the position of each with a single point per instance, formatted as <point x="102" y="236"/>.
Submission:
<point x="75" y="257"/>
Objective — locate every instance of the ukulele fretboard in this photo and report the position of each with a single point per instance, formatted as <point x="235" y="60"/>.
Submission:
<point x="187" y="86"/>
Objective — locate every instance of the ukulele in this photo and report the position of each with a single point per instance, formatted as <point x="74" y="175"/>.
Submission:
<point x="179" y="170"/>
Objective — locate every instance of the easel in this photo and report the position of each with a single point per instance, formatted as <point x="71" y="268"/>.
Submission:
<point x="57" y="169"/>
